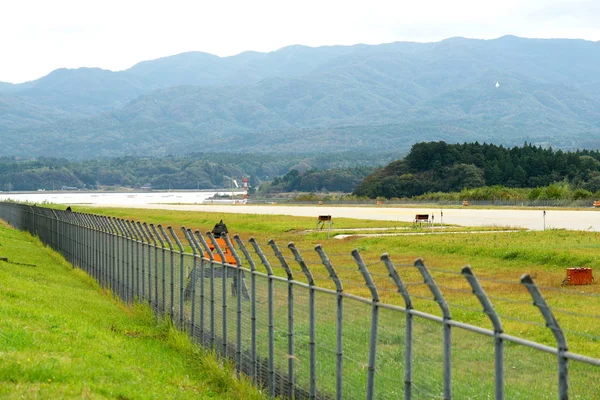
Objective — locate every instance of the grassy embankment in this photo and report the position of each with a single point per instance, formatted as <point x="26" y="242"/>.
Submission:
<point x="62" y="336"/>
<point x="498" y="258"/>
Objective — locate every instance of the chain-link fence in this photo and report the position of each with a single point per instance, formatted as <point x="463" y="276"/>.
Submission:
<point x="304" y="324"/>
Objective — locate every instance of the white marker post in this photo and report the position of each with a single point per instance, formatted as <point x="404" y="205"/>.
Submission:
<point x="544" y="219"/>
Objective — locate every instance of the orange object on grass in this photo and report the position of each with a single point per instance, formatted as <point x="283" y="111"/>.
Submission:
<point x="218" y="231"/>
<point x="579" y="276"/>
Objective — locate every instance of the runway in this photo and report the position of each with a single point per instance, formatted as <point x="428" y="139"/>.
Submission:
<point x="588" y="220"/>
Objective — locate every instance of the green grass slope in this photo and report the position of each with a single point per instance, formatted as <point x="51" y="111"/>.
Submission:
<point x="62" y="336"/>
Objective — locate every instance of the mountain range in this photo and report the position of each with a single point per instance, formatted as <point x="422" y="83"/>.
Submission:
<point x="325" y="99"/>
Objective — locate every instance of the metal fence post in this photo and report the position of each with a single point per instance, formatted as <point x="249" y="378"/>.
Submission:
<point x="374" y="322"/>
<point x="145" y="245"/>
<point x="163" y="294"/>
<point x="114" y="254"/>
<point x="408" y="363"/>
<point x="339" y="351"/>
<point x="127" y="261"/>
<point x="238" y="283"/>
<point x="135" y="244"/>
<point x="117" y="255"/>
<point x="252" y="307"/>
<point x="151" y="238"/>
<point x="271" y="323"/>
<point x="181" y="275"/>
<point x="131" y="240"/>
<point x="223" y="290"/>
<point x="495" y="319"/>
<point x="290" y="299"/>
<point x="561" y="340"/>
<point x="439" y="298"/>
<point x="172" y="272"/>
<point x="103" y="239"/>
<point x="192" y="279"/>
<point x="211" y="259"/>
<point x="55" y="232"/>
<point x="124" y="259"/>
<point x="312" y="319"/>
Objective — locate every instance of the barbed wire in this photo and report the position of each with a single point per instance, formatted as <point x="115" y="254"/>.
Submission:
<point x="528" y="302"/>
<point x="573" y="314"/>
<point x="477" y="310"/>
<point x="521" y="320"/>
<point x="582" y="334"/>
<point x="457" y="290"/>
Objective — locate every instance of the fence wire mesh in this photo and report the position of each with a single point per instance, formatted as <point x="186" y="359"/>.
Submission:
<point x="304" y="325"/>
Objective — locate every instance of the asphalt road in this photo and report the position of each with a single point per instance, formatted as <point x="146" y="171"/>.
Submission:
<point x="531" y="219"/>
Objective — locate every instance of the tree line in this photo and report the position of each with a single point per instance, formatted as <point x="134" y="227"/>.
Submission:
<point x="193" y="171"/>
<point x="315" y="180"/>
<point x="439" y="167"/>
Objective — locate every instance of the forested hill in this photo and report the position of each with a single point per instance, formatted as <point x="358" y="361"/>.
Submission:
<point x="340" y="171"/>
<point x="442" y="167"/>
<point x="364" y="98"/>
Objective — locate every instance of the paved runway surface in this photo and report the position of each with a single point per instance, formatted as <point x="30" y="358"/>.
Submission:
<point x="530" y="219"/>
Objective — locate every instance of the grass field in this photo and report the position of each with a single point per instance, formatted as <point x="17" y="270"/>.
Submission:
<point x="62" y="336"/>
<point x="498" y="259"/>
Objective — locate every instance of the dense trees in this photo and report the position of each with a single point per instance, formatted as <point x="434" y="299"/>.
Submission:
<point x="195" y="171"/>
<point x="337" y="180"/>
<point x="443" y="167"/>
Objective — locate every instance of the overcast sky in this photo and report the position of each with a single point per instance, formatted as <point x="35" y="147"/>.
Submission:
<point x="38" y="36"/>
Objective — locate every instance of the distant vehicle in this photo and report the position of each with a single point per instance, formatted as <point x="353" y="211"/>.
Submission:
<point x="69" y="188"/>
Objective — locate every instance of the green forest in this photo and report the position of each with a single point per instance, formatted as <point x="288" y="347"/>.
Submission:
<point x="335" y="180"/>
<point x="337" y="171"/>
<point x="483" y="171"/>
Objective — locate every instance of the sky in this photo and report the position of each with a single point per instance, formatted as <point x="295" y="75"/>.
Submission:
<point x="39" y="36"/>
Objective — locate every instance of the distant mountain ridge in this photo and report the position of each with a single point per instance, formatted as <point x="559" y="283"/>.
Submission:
<point x="326" y="98"/>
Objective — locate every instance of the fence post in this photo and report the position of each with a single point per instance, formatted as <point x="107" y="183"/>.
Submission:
<point x="374" y="322"/>
<point x="112" y="242"/>
<point x="191" y="288"/>
<point x="129" y="256"/>
<point x="139" y="248"/>
<point x="96" y="230"/>
<point x="163" y="285"/>
<point x="291" y="350"/>
<point x="312" y="319"/>
<point x="133" y="242"/>
<point x="117" y="255"/>
<point x="271" y="324"/>
<point x="408" y="362"/>
<point x="561" y="340"/>
<point x="495" y="319"/>
<point x="252" y="305"/>
<point x="223" y="289"/>
<point x="172" y="271"/>
<point x="339" y="352"/>
<point x="196" y="236"/>
<point x="211" y="258"/>
<point x="238" y="283"/>
<point x="181" y="274"/>
<point x="136" y="244"/>
<point x="145" y="245"/>
<point x="124" y="260"/>
<point x="439" y="298"/>
<point x="55" y="231"/>
<point x="151" y="237"/>
<point x="102" y="240"/>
